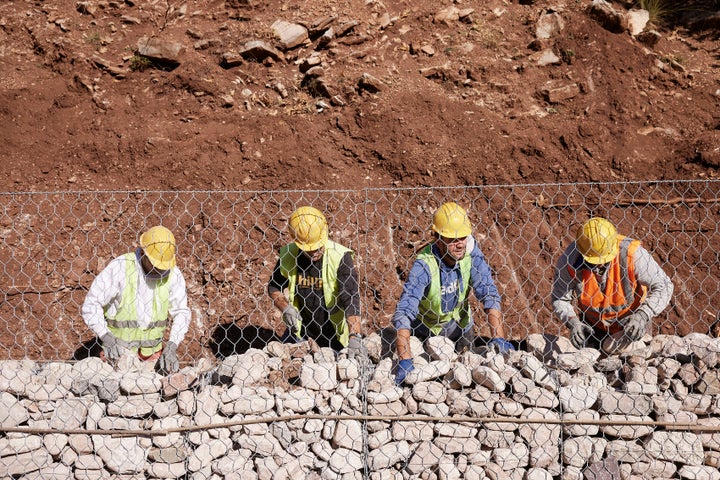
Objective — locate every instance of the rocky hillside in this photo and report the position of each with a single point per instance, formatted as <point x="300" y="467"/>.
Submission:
<point x="240" y="94"/>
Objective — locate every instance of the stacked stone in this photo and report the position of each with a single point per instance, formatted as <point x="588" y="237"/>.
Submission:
<point x="550" y="411"/>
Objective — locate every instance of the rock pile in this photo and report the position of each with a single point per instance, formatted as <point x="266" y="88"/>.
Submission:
<point x="298" y="411"/>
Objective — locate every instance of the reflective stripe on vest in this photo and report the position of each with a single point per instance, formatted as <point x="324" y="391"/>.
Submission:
<point x="331" y="259"/>
<point x="622" y="294"/>
<point x="430" y="311"/>
<point x="124" y="324"/>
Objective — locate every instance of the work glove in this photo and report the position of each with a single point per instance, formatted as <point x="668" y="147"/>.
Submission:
<point x="635" y="325"/>
<point x="579" y="332"/>
<point x="292" y="319"/>
<point x="168" y="362"/>
<point x="112" y="347"/>
<point x="404" y="367"/>
<point x="501" y="345"/>
<point x="356" y="349"/>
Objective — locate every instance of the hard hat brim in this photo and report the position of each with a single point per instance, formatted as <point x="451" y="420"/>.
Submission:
<point x="161" y="264"/>
<point x="308" y="247"/>
<point x="600" y="259"/>
<point x="462" y="232"/>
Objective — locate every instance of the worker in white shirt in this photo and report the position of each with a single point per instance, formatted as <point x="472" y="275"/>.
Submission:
<point x="131" y="301"/>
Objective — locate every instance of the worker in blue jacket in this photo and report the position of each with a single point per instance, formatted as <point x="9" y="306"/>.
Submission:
<point x="435" y="296"/>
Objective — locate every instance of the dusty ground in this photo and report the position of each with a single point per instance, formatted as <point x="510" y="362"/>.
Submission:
<point x="459" y="101"/>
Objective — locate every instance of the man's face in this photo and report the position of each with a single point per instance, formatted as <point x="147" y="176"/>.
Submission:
<point x="454" y="248"/>
<point x="598" y="269"/>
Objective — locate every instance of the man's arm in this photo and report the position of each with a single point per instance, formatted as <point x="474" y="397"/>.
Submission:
<point x="275" y="288"/>
<point x="179" y="311"/>
<point x="497" y="330"/>
<point x="563" y="289"/>
<point x="402" y="344"/>
<point x="660" y="287"/>
<point x="279" y="300"/>
<point x="106" y="287"/>
<point x="482" y="283"/>
<point x="349" y="294"/>
<point x="408" y="306"/>
<point x="354" y="324"/>
<point x="486" y="292"/>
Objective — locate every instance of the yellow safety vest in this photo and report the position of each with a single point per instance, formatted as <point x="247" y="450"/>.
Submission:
<point x="124" y="325"/>
<point x="331" y="259"/>
<point x="430" y="308"/>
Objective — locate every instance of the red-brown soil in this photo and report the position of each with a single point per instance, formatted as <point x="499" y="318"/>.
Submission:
<point x="461" y="103"/>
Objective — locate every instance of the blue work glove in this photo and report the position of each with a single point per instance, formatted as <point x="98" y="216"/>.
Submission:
<point x="404" y="367"/>
<point x="501" y="345"/>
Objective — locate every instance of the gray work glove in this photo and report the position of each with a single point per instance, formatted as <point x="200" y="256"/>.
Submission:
<point x="168" y="362"/>
<point x="579" y="332"/>
<point x="292" y="319"/>
<point x="112" y="347"/>
<point x="356" y="349"/>
<point x="635" y="325"/>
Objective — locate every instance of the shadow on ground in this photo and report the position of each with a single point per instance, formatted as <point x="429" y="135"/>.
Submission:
<point x="90" y="348"/>
<point x="231" y="339"/>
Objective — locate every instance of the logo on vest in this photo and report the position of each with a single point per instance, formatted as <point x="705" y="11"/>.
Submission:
<point x="310" y="282"/>
<point x="450" y="289"/>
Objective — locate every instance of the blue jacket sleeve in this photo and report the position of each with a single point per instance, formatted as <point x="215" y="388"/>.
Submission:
<point x="408" y="306"/>
<point x="482" y="281"/>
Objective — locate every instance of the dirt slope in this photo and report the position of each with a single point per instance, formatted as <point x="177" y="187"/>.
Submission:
<point x="462" y="101"/>
<point x="380" y="94"/>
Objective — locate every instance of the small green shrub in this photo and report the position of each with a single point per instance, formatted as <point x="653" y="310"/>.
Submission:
<point x="659" y="10"/>
<point x="670" y="11"/>
<point x="138" y="63"/>
<point x="567" y="55"/>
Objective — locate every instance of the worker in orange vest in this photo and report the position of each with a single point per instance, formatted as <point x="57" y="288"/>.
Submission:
<point x="616" y="285"/>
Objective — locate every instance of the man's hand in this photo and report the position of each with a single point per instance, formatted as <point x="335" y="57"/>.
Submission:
<point x="636" y="325"/>
<point x="356" y="348"/>
<point x="292" y="319"/>
<point x="168" y="362"/>
<point x="113" y="350"/>
<point x="501" y="345"/>
<point x="579" y="332"/>
<point x="404" y="367"/>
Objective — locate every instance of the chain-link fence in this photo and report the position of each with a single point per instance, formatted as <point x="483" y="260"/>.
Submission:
<point x="54" y="244"/>
<point x="255" y="408"/>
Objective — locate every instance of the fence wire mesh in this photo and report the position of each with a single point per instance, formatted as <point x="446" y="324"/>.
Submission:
<point x="246" y="405"/>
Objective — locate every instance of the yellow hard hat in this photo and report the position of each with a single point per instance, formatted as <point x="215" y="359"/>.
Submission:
<point x="597" y="241"/>
<point x="158" y="243"/>
<point x="451" y="221"/>
<point x="309" y="228"/>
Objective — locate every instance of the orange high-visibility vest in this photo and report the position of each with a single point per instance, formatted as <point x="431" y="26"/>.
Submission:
<point x="622" y="295"/>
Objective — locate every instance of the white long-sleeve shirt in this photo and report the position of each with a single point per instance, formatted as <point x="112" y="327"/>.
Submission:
<point x="106" y="291"/>
<point x="647" y="272"/>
